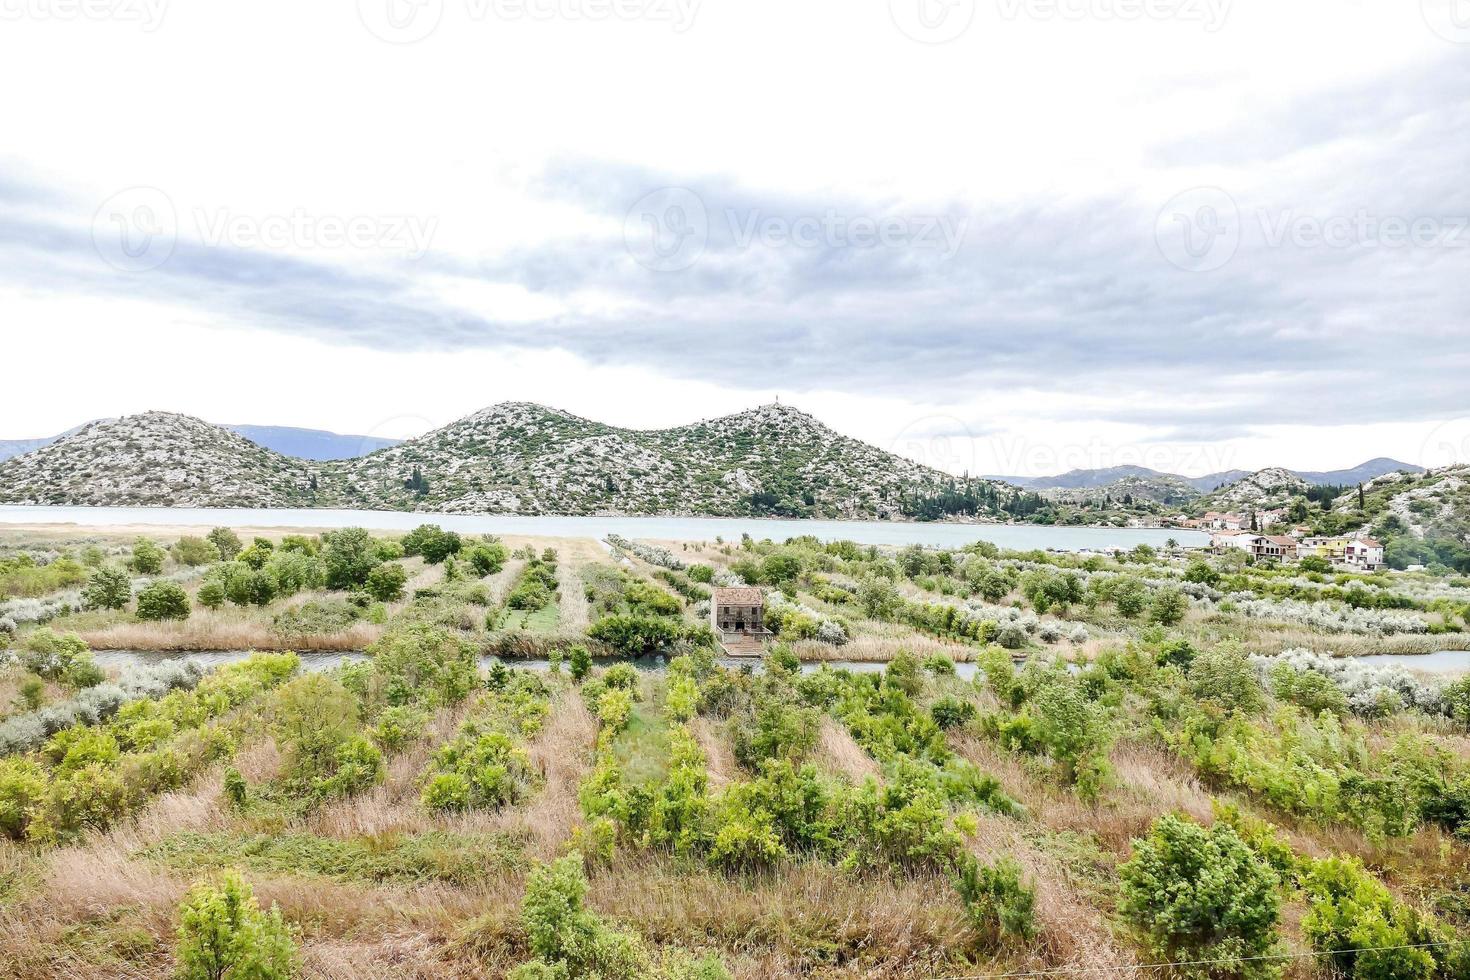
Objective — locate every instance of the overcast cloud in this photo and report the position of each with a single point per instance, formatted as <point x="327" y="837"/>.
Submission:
<point x="1022" y="236"/>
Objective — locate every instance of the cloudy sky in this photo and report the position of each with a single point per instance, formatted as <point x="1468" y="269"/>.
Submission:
<point x="1003" y="236"/>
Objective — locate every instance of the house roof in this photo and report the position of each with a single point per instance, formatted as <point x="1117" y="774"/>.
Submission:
<point x="738" y="595"/>
<point x="1369" y="543"/>
<point x="1285" y="541"/>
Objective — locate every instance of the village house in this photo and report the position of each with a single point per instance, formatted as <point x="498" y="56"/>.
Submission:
<point x="1215" y="521"/>
<point x="1365" y="553"/>
<point x="737" y="615"/>
<point x="1261" y="547"/>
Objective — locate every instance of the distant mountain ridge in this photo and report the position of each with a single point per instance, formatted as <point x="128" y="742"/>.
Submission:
<point x="313" y="444"/>
<point x="1101" y="478"/>
<point x="515" y="457"/>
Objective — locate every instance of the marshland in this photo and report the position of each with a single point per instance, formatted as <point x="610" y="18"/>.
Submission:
<point x="532" y="759"/>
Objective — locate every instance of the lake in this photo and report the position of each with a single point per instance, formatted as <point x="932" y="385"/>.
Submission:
<point x="1021" y="537"/>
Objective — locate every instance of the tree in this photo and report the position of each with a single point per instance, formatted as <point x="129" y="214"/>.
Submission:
<point x="1315" y="563"/>
<point x="1197" y="894"/>
<point x="147" y="557"/>
<point x="223" y="935"/>
<point x="1202" y="572"/>
<point x="1129" y="596"/>
<point x="487" y="558"/>
<point x="195" y="551"/>
<point x="108" y="588"/>
<point x="1168" y="607"/>
<point x="385" y="582"/>
<point x="211" y="594"/>
<point x="432" y="542"/>
<point x="349" y="558"/>
<point x="163" y="600"/>
<point x="580" y="662"/>
<point x="227" y="542"/>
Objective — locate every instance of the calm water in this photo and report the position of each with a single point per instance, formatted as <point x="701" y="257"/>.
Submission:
<point x="1017" y="536"/>
<point x="1444" y="662"/>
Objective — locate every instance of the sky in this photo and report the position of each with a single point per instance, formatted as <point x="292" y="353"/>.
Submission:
<point x="998" y="236"/>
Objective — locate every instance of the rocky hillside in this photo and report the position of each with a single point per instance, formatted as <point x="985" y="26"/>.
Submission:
<point x="155" y="459"/>
<point x="1129" y="490"/>
<point x="1271" y="487"/>
<point x="1414" y="502"/>
<point x="519" y="457"/>
<point x="515" y="457"/>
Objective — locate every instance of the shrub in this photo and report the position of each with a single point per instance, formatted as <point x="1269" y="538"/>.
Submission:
<point x="211" y="594"/>
<point x="487" y="558"/>
<point x="226" y="542"/>
<point x="147" y="557"/>
<point x="579" y="662"/>
<point x="1198" y="894"/>
<point x="949" y="712"/>
<point x="50" y="655"/>
<point x="1168" y="607"/>
<point x="432" y="542"/>
<point x="108" y="588"/>
<point x="348" y="557"/>
<point x="236" y="790"/>
<point x="1369" y="934"/>
<point x="635" y="635"/>
<point x="195" y="551"/>
<point x="561" y="931"/>
<point x="998" y="903"/>
<point x="1225" y="678"/>
<point x="163" y="600"/>
<point x="224" y="935"/>
<point x="385" y="582"/>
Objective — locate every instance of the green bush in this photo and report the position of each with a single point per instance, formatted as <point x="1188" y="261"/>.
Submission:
<point x="1168" y="607"/>
<point x="224" y="935"/>
<point x="108" y="588"/>
<point x="998" y="903"/>
<point x="147" y="557"/>
<point x="349" y="556"/>
<point x="385" y="582"/>
<point x="636" y="635"/>
<point x="579" y="662"/>
<point x="211" y="594"/>
<point x="226" y="542"/>
<point x="1198" y="894"/>
<point x="163" y="600"/>
<point x="1369" y="934"/>
<point x="564" y="934"/>
<point x="195" y="551"/>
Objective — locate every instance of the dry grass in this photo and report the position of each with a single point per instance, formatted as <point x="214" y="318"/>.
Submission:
<point x="208" y="630"/>
<point x="719" y="759"/>
<point x="881" y="649"/>
<point x="575" y="614"/>
<point x="1074" y="933"/>
<point x="805" y="919"/>
<point x="837" y="752"/>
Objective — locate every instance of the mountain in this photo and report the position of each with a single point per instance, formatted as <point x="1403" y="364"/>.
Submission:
<point x="514" y="457"/>
<point x="1361" y="473"/>
<point x="520" y="457"/>
<point x="313" y="444"/>
<point x="1273" y="486"/>
<point x="1102" y="478"/>
<point x="155" y="459"/>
